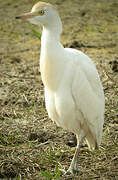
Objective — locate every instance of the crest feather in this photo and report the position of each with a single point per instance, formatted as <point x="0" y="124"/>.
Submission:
<point x="40" y="5"/>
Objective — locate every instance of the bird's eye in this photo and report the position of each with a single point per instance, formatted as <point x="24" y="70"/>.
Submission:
<point x="41" y="12"/>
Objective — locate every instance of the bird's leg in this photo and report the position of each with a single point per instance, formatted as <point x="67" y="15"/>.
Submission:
<point x="74" y="163"/>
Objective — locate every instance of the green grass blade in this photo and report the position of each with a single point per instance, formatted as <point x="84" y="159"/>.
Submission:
<point x="58" y="173"/>
<point x="35" y="33"/>
<point x="46" y="174"/>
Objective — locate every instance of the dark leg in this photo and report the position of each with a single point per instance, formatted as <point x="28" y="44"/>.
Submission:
<point x="74" y="164"/>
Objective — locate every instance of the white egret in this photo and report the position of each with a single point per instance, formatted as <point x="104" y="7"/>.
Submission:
<point x="74" y="94"/>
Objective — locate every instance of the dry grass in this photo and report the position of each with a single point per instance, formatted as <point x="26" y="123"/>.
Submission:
<point x="30" y="144"/>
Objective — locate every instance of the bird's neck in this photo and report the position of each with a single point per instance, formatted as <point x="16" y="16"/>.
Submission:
<point x="50" y="59"/>
<point x="51" y="33"/>
<point x="49" y="39"/>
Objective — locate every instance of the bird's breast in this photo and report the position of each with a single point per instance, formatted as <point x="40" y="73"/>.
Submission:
<point x="51" y="72"/>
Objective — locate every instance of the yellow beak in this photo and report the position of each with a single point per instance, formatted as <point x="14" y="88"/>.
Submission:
<point x="26" y="15"/>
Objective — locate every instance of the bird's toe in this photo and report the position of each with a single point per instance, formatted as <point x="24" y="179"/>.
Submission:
<point x="68" y="172"/>
<point x="71" y="171"/>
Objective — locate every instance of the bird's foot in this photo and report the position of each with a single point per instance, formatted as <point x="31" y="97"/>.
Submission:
<point x="72" y="171"/>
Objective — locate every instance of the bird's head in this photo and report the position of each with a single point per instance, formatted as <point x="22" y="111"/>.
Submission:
<point x="41" y="13"/>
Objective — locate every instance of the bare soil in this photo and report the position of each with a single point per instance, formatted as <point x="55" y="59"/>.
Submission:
<point x="29" y="140"/>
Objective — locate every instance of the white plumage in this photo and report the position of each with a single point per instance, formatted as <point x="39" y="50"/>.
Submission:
<point x="73" y="92"/>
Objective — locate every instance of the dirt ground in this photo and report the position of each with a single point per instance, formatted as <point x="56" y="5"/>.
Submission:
<point x="30" y="144"/>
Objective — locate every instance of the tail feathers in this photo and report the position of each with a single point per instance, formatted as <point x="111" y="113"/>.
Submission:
<point x="93" y="137"/>
<point x="92" y="142"/>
